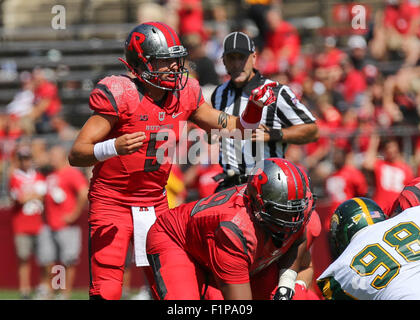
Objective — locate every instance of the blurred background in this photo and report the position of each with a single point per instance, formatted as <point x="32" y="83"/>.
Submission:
<point x="355" y="64"/>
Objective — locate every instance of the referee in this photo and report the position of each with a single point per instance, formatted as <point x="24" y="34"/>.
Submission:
<point x="287" y="120"/>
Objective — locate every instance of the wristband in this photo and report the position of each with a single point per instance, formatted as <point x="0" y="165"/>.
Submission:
<point x="287" y="279"/>
<point x="276" y="134"/>
<point x="105" y="150"/>
<point x="251" y="117"/>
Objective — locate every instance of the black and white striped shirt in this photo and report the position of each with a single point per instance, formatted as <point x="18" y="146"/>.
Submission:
<point x="241" y="155"/>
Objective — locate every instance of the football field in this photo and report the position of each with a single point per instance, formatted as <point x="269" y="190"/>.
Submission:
<point x="10" y="294"/>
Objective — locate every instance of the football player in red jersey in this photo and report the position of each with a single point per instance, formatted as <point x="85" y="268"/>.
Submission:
<point x="133" y="117"/>
<point x="246" y="241"/>
<point x="409" y="197"/>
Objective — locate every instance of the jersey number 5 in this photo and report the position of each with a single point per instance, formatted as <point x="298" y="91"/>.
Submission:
<point x="153" y="162"/>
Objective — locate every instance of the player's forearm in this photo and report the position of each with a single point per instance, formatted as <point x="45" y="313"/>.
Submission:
<point x="82" y="155"/>
<point x="240" y="291"/>
<point x="301" y="134"/>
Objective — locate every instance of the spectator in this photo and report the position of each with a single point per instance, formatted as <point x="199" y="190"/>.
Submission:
<point x="201" y="67"/>
<point x="390" y="174"/>
<point x="282" y="39"/>
<point x="190" y="17"/>
<point x="220" y="26"/>
<point x="353" y="83"/>
<point x="64" y="203"/>
<point x="257" y="11"/>
<point x="22" y="103"/>
<point x="345" y="182"/>
<point x="47" y="102"/>
<point x="27" y="189"/>
<point x="358" y="51"/>
<point x="397" y="32"/>
<point x="331" y="56"/>
<point x="401" y="97"/>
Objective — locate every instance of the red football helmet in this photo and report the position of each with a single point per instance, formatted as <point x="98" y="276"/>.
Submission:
<point x="280" y="197"/>
<point x="150" y="41"/>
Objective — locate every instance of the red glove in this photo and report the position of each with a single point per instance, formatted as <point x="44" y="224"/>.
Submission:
<point x="259" y="98"/>
<point x="264" y="95"/>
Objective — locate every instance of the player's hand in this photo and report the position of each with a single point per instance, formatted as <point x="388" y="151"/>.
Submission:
<point x="283" y="293"/>
<point x="264" y="95"/>
<point x="129" y="143"/>
<point x="262" y="133"/>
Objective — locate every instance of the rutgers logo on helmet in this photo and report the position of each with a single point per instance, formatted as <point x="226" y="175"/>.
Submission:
<point x="349" y="218"/>
<point x="280" y="197"/>
<point x="152" y="41"/>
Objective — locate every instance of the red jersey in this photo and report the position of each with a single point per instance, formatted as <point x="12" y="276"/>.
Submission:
<point x="27" y="218"/>
<point x="400" y="18"/>
<point x="62" y="188"/>
<point x="390" y="179"/>
<point x="139" y="178"/>
<point x="284" y="36"/>
<point x="219" y="233"/>
<point x="206" y="185"/>
<point x="344" y="184"/>
<point x="409" y="197"/>
<point x="48" y="90"/>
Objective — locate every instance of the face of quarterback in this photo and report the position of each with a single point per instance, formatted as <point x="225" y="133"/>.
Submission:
<point x="240" y="67"/>
<point x="166" y="65"/>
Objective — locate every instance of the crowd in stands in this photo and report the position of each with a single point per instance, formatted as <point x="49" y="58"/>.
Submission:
<point x="368" y="115"/>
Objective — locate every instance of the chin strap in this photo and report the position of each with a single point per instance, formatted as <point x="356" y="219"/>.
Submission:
<point x="130" y="68"/>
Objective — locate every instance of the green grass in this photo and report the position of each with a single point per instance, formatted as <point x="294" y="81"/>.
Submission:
<point x="78" y="294"/>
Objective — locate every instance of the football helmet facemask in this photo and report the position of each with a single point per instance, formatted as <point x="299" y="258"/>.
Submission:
<point x="149" y="42"/>
<point x="280" y="197"/>
<point x="349" y="218"/>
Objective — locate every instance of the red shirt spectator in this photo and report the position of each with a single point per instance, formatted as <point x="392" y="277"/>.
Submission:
<point x="391" y="174"/>
<point x="401" y="16"/>
<point x="190" y="16"/>
<point x="282" y="38"/>
<point x="345" y="182"/>
<point x="354" y="83"/>
<point x="62" y="195"/>
<point x="27" y="187"/>
<point x="49" y="92"/>
<point x="332" y="56"/>
<point x="390" y="178"/>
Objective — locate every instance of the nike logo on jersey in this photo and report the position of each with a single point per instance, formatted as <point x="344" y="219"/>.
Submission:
<point x="174" y="115"/>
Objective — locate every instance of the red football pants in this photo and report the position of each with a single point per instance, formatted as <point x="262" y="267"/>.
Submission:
<point x="178" y="277"/>
<point x="110" y="232"/>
